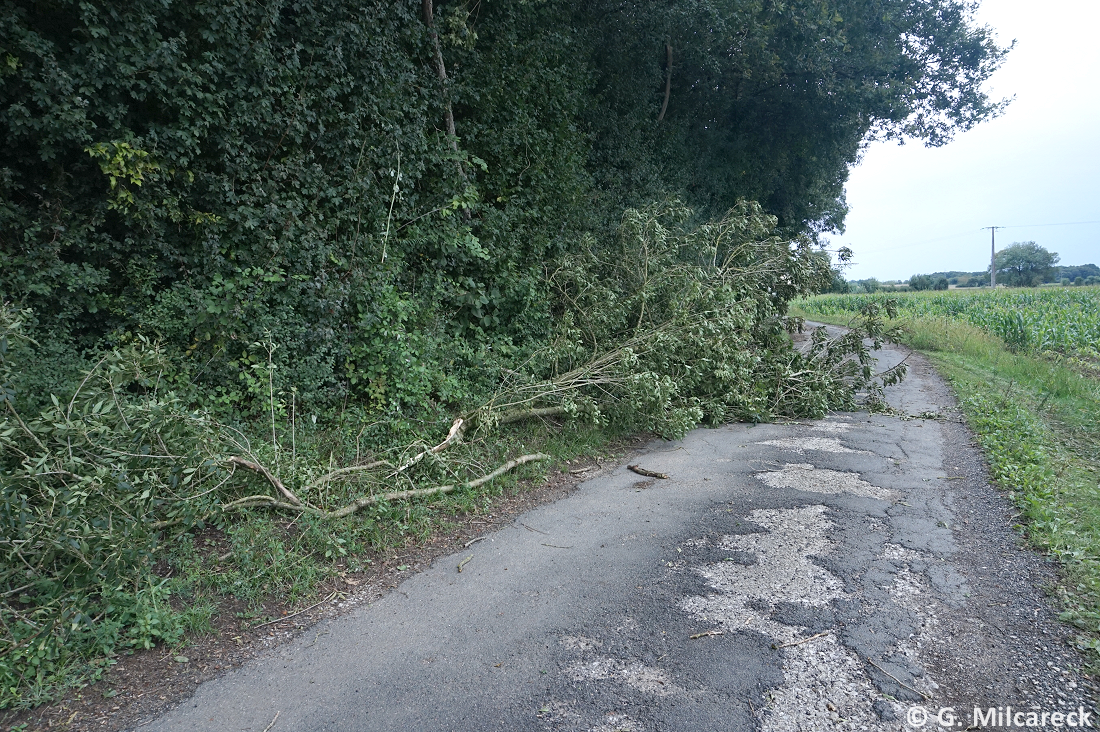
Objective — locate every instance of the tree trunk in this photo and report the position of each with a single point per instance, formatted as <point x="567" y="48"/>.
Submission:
<point x="668" y="78"/>
<point x="441" y="72"/>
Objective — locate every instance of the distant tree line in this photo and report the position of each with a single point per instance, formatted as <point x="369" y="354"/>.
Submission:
<point x="1023" y="264"/>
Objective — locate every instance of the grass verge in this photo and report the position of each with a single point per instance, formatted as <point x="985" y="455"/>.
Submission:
<point x="1036" y="420"/>
<point x="224" y="586"/>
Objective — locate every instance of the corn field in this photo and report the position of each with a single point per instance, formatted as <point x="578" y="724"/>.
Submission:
<point x="1049" y="320"/>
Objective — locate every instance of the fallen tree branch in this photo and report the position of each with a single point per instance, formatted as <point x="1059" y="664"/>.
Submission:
<point x="458" y="429"/>
<point x="268" y="727"/>
<point x="262" y="501"/>
<point x="517" y="415"/>
<point x="256" y="467"/>
<point x="350" y="469"/>
<point x="303" y="610"/>
<point x="453" y="436"/>
<point x="706" y="633"/>
<point x="798" y="642"/>
<point x="647" y="473"/>
<point x="438" y="490"/>
<point x="899" y="681"/>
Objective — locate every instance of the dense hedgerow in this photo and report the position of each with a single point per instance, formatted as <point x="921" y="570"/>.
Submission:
<point x="221" y="173"/>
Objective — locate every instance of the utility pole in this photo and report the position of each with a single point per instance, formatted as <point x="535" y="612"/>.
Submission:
<point x="993" y="254"/>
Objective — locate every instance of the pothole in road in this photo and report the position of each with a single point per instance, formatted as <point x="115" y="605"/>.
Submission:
<point x="805" y="477"/>
<point x="802" y="444"/>
<point x="826" y="685"/>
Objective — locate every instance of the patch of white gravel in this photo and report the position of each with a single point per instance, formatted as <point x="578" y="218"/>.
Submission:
<point x="826" y="686"/>
<point x="829" y="426"/>
<point x="805" y="477"/>
<point x="617" y="723"/>
<point x="580" y="642"/>
<point x="645" y="679"/>
<point x="913" y="591"/>
<point x="802" y="444"/>
<point x="829" y="691"/>
<point x="783" y="572"/>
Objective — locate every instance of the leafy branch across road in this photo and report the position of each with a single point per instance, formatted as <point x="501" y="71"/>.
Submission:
<point x="683" y="325"/>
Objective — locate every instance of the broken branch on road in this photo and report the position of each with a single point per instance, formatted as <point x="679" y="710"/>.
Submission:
<point x="265" y="501"/>
<point x="706" y="633"/>
<point x="798" y="642"/>
<point x="647" y="473"/>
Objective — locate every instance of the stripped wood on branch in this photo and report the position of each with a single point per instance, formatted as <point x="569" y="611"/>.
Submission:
<point x="265" y="501"/>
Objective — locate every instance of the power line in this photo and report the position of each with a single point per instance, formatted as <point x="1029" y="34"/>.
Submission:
<point x="970" y="232"/>
<point x="1035" y="226"/>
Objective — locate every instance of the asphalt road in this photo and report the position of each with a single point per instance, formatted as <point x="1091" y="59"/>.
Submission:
<point x="841" y="571"/>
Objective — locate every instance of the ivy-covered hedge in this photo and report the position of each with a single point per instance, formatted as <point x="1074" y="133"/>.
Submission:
<point x="214" y="174"/>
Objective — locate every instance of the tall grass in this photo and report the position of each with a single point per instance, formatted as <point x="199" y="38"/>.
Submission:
<point x="1035" y="418"/>
<point x="1036" y="421"/>
<point x="1049" y="320"/>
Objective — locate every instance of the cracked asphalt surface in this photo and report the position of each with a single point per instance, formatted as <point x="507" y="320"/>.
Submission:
<point x="800" y="576"/>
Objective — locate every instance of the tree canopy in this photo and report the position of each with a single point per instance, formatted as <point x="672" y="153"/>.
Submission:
<point x="1025" y="264"/>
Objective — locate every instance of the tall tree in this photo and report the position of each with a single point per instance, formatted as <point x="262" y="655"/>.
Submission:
<point x="1025" y="264"/>
<point x="213" y="174"/>
<point x="774" y="100"/>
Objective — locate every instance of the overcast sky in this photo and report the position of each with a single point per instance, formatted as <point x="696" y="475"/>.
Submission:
<point x="916" y="210"/>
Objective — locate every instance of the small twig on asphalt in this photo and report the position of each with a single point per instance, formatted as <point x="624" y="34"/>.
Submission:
<point x="646" y="473"/>
<point x="268" y="727"/>
<point x="303" y="610"/>
<point x="463" y="562"/>
<point x="558" y="547"/>
<point x="705" y="633"/>
<point x="799" y="641"/>
<point x="900" y="682"/>
<point x="473" y="541"/>
<point x="530" y="529"/>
